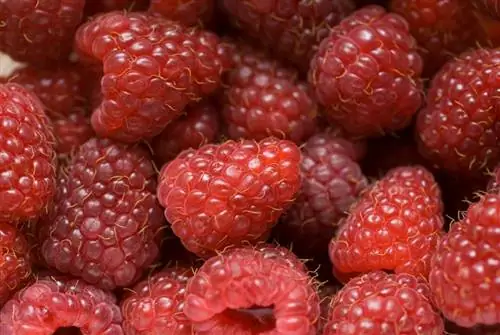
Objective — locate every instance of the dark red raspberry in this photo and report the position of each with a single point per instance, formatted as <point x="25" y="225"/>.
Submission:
<point x="28" y="161"/>
<point x="102" y="6"/>
<point x="459" y="129"/>
<point x="453" y="329"/>
<point x="395" y="226"/>
<point x="244" y="291"/>
<point x="39" y="32"/>
<point x="464" y="271"/>
<point x="331" y="183"/>
<point x="490" y="7"/>
<point x="105" y="226"/>
<point x="186" y="12"/>
<point x="494" y="184"/>
<point x="291" y="29"/>
<point x="72" y="131"/>
<point x="50" y="304"/>
<point x="367" y="73"/>
<point x="380" y="303"/>
<point x="199" y="126"/>
<point x="155" y="304"/>
<point x="229" y="194"/>
<point x="151" y="72"/>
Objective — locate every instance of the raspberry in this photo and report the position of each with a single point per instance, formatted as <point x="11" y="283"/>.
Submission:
<point x="199" y="126"/>
<point x="105" y="225"/>
<point x="478" y="330"/>
<point x="331" y="182"/>
<point x="15" y="263"/>
<point x="39" y="32"/>
<point x="490" y="7"/>
<point x="459" y="129"/>
<point x="494" y="184"/>
<point x="27" y="155"/>
<point x="151" y="72"/>
<point x="155" y="304"/>
<point x="464" y="271"/>
<point x="103" y="6"/>
<point x="292" y="29"/>
<point x="229" y="194"/>
<point x="49" y="304"/>
<point x="395" y="226"/>
<point x="367" y="73"/>
<point x="71" y="131"/>
<point x="442" y="28"/>
<point x="187" y="12"/>
<point x="242" y="291"/>
<point x="380" y="303"/>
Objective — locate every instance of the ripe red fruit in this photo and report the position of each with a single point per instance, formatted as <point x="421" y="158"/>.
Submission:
<point x="395" y="226"/>
<point x="229" y="194"/>
<point x="490" y="7"/>
<point x="186" y="12"/>
<point x="106" y="222"/>
<point x="102" y="6"/>
<point x="28" y="161"/>
<point x="464" y="272"/>
<point x="459" y="129"/>
<point x="494" y="184"/>
<point x="380" y="303"/>
<point x="155" y="304"/>
<point x="367" y="73"/>
<point x="72" y="131"/>
<point x="51" y="303"/>
<point x="252" y="291"/>
<point x="39" y="32"/>
<point x="151" y="72"/>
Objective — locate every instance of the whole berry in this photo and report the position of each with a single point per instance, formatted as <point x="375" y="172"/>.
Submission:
<point x="199" y="126"/>
<point x="49" y="304"/>
<point x="106" y="222"/>
<point x="39" y="32"/>
<point x="464" y="271"/>
<point x="229" y="194"/>
<point x="155" y="304"/>
<point x="366" y="73"/>
<point x="245" y="291"/>
<point x="459" y="129"/>
<point x="28" y="161"/>
<point x="186" y="12"/>
<point x="395" y="225"/>
<point x="151" y="72"/>
<point x="380" y="303"/>
<point x="490" y="7"/>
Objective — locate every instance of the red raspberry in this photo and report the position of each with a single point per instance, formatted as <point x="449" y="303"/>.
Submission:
<point x="39" y="32"/>
<point x="186" y="12"/>
<point x="331" y="182"/>
<point x="494" y="184"/>
<point x="15" y="263"/>
<point x="151" y="72"/>
<point x="477" y="330"/>
<point x="72" y="131"/>
<point x="464" y="271"/>
<point x="50" y="304"/>
<point x="292" y="29"/>
<point x="102" y="6"/>
<point x="155" y="305"/>
<point x="367" y="73"/>
<point x="394" y="226"/>
<point x="27" y="161"/>
<point x="459" y="129"/>
<point x="490" y="7"/>
<point x="244" y="291"/>
<point x="229" y="194"/>
<point x="105" y="227"/>
<point x="199" y="126"/>
<point x="380" y="303"/>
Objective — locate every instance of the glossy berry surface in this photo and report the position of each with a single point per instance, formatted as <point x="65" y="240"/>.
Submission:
<point x="186" y="12"/>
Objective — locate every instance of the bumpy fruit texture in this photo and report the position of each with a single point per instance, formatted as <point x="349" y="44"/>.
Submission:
<point x="72" y="131"/>
<point x="39" y="32"/>
<point x="490" y="7"/>
<point x="199" y="126"/>
<point x="395" y="226"/>
<point x="367" y="73"/>
<point x="380" y="303"/>
<point x="28" y="161"/>
<point x="155" y="304"/>
<point x="106" y="222"/>
<point x="93" y="7"/>
<point x="229" y="194"/>
<point x="151" y="71"/>
<point x="494" y="184"/>
<point x="52" y="303"/>
<point x="246" y="291"/>
<point x="464" y="275"/>
<point x="186" y="12"/>
<point x="291" y="29"/>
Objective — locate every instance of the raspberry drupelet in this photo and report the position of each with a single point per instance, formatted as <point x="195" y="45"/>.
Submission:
<point x="366" y="73"/>
<point x="152" y="69"/>
<point x="186" y="12"/>
<point x="229" y="194"/>
<point x="106" y="223"/>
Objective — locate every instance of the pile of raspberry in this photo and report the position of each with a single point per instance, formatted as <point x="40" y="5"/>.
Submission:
<point x="250" y="167"/>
